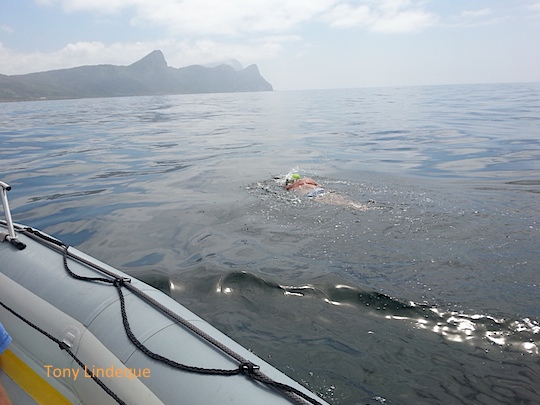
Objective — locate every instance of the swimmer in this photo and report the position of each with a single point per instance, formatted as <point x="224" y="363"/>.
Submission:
<point x="300" y="184"/>
<point x="311" y="189"/>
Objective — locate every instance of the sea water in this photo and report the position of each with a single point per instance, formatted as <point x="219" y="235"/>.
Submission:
<point x="431" y="296"/>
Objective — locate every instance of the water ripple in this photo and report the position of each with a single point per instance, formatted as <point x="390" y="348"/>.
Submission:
<point x="522" y="335"/>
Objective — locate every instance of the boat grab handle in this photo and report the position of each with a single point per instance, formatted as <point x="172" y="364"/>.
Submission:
<point x="12" y="236"/>
<point x="5" y="186"/>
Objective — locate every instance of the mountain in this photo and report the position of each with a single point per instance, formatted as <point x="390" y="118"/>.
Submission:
<point x="149" y="76"/>
<point x="231" y="62"/>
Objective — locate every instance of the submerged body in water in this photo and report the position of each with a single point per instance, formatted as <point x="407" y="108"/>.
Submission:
<point x="311" y="189"/>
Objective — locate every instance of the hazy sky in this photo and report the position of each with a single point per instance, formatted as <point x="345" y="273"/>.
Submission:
<point x="297" y="44"/>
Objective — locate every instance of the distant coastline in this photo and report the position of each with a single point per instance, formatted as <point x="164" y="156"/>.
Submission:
<point x="149" y="76"/>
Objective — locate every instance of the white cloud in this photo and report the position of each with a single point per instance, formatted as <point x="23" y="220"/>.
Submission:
<point x="347" y="16"/>
<point x="207" y="51"/>
<point x="101" y="6"/>
<point x="404" y="21"/>
<point x="381" y="16"/>
<point x="232" y="17"/>
<point x="480" y="17"/>
<point x="280" y="38"/>
<point x="7" y="29"/>
<point x="209" y="17"/>
<point x="476" y="13"/>
<point x="241" y="17"/>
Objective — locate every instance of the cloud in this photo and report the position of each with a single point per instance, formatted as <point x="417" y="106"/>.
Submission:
<point x="208" y="17"/>
<point x="476" y="13"/>
<point x="239" y="17"/>
<point x="347" y="16"/>
<point x="480" y="17"/>
<point x="533" y="10"/>
<point x="404" y="21"/>
<point x="101" y="6"/>
<point x="207" y="51"/>
<point x="7" y="29"/>
<point x="389" y="16"/>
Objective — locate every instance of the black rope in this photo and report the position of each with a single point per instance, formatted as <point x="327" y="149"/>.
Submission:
<point x="65" y="347"/>
<point x="284" y="388"/>
<point x="48" y="238"/>
<point x="211" y="371"/>
<point x="77" y="276"/>
<point x="119" y="282"/>
<point x="245" y="367"/>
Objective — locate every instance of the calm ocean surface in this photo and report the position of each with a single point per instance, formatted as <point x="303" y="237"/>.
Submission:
<point x="432" y="296"/>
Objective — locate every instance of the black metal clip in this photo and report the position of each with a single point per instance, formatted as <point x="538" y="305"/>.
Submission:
<point x="248" y="368"/>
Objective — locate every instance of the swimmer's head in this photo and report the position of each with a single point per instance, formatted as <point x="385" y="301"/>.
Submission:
<point x="291" y="178"/>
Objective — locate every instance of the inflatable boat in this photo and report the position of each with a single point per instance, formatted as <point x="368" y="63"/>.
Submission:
<point x="84" y="332"/>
